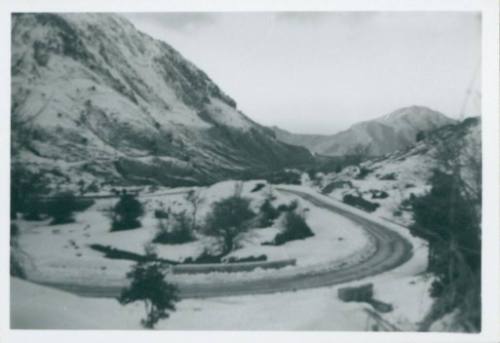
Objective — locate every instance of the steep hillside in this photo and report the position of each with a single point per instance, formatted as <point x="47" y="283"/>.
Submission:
<point x="94" y="97"/>
<point x="394" y="131"/>
<point x="390" y="180"/>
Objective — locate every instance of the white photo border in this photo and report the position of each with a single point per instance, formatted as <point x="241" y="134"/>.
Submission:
<point x="491" y="172"/>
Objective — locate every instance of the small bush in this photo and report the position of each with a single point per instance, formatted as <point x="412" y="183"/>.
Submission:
<point x="288" y="208"/>
<point x="149" y="286"/>
<point x="377" y="194"/>
<point x="258" y="187"/>
<point x="284" y="177"/>
<point x="161" y="214"/>
<point x="153" y="188"/>
<point x="228" y="220"/>
<point x="93" y="188"/>
<point x="81" y="205"/>
<point x="407" y="204"/>
<point x="126" y="213"/>
<point x="61" y="208"/>
<point x="204" y="258"/>
<point x="363" y="172"/>
<point x="295" y="227"/>
<point x="34" y="209"/>
<point x="390" y="176"/>
<point x="336" y="185"/>
<point x="177" y="230"/>
<point x="359" y="202"/>
<point x="268" y="213"/>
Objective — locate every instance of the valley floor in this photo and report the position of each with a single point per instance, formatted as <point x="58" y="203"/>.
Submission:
<point x="35" y="306"/>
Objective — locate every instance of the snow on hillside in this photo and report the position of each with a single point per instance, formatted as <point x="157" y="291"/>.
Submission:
<point x="402" y="174"/>
<point x="92" y="90"/>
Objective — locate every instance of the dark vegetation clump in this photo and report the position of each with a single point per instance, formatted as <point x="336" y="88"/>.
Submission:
<point x="360" y="202"/>
<point x="390" y="176"/>
<point x="449" y="220"/>
<point x="407" y="204"/>
<point x="93" y="187"/>
<point x="16" y="268"/>
<point x="176" y="230"/>
<point x="207" y="258"/>
<point x="228" y="220"/>
<point x="119" y="254"/>
<point x="27" y="187"/>
<point x="258" y="187"/>
<point x="268" y="213"/>
<point x="363" y="173"/>
<point x="204" y="258"/>
<point x="378" y="194"/>
<point x="148" y="285"/>
<point x="160" y="214"/>
<point x="126" y="213"/>
<point x="62" y="206"/>
<point x="289" y="177"/>
<point x="295" y="227"/>
<point x="335" y="185"/>
<point x="420" y="136"/>
<point x="292" y="206"/>
<point x="35" y="209"/>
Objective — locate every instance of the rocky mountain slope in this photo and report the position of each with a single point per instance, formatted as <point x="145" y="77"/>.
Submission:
<point x="394" y="131"/>
<point x="92" y="97"/>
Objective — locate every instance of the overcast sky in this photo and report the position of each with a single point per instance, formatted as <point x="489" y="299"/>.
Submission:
<point x="322" y="72"/>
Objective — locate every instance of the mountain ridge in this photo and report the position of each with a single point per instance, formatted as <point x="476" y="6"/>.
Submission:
<point x="384" y="134"/>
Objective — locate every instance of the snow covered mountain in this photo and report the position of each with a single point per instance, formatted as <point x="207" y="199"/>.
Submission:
<point x="94" y="97"/>
<point x="394" y="131"/>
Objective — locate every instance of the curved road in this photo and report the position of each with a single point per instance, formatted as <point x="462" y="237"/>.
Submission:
<point x="391" y="251"/>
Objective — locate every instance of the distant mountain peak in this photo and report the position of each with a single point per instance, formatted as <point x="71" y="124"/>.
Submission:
<point x="413" y="112"/>
<point x="393" y="131"/>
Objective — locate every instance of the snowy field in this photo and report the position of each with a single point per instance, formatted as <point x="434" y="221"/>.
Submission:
<point x="62" y="252"/>
<point x="37" y="307"/>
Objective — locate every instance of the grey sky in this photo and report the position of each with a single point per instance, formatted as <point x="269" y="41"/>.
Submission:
<point x="321" y="72"/>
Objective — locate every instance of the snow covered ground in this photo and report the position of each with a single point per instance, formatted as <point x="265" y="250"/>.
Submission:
<point x="399" y="175"/>
<point x="33" y="306"/>
<point x="37" y="307"/>
<point x="62" y="252"/>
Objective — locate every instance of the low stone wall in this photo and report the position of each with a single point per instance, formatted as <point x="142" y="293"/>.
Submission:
<point x="230" y="267"/>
